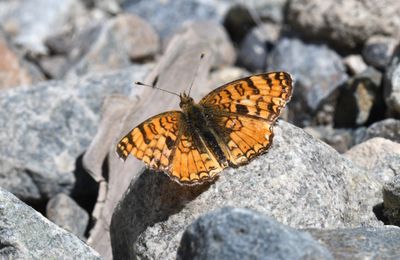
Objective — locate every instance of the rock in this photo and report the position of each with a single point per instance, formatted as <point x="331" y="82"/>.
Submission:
<point x="301" y="182"/>
<point x="114" y="44"/>
<point x="378" y="50"/>
<point x="238" y="22"/>
<point x="31" y="22"/>
<point x="110" y="6"/>
<point x="66" y="213"/>
<point x="391" y="200"/>
<point x="52" y="135"/>
<point x="55" y="67"/>
<point x="234" y="233"/>
<point x="163" y="15"/>
<point x="256" y="45"/>
<point x="361" y="242"/>
<point x="362" y="99"/>
<point x="355" y="64"/>
<point x="340" y="139"/>
<point x="373" y="154"/>
<point x="388" y="128"/>
<point x="26" y="234"/>
<point x="312" y="85"/>
<point x="267" y="10"/>
<point x="392" y="84"/>
<point x="15" y="71"/>
<point x="226" y="74"/>
<point x="346" y="24"/>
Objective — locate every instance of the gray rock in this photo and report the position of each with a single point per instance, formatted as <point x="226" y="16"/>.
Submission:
<point x="234" y="233"/>
<point x="361" y="242"/>
<point x="312" y="85"/>
<point x="355" y="64"/>
<point x="66" y="213"/>
<point x="345" y="24"/>
<point x="360" y="100"/>
<point x="340" y="139"/>
<point x="54" y="122"/>
<point x="112" y="45"/>
<point x="378" y="50"/>
<point x="301" y="182"/>
<point x="392" y="84"/>
<point x="256" y="45"/>
<point x="388" y="128"/>
<point x="391" y="200"/>
<point x="26" y="234"/>
<point x="14" y="70"/>
<point x="31" y="22"/>
<point x="377" y="155"/>
<point x="163" y="15"/>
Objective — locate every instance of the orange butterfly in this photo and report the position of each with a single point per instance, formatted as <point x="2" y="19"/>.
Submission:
<point x="228" y="127"/>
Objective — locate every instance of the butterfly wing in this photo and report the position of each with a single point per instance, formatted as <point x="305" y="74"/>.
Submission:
<point x="165" y="143"/>
<point x="242" y="113"/>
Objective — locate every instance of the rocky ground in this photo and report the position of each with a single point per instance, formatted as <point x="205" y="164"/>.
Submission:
<point x="329" y="187"/>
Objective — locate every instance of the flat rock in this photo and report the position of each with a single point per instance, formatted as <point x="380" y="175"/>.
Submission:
<point x="26" y="234"/>
<point x="30" y="22"/>
<point x="52" y="135"/>
<point x="235" y="233"/>
<point x="346" y="24"/>
<point x="66" y="213"/>
<point x="301" y="182"/>
<point x="374" y="155"/>
<point x="361" y="242"/>
<point x="312" y="85"/>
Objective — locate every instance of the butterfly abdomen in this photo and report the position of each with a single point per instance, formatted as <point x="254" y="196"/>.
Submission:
<point x="198" y="123"/>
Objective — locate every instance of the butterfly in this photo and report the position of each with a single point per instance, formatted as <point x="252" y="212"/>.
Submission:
<point x="228" y="127"/>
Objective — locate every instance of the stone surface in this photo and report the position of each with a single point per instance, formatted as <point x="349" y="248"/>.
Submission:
<point x="235" y="233"/>
<point x="312" y="85"/>
<point x="388" y="128"/>
<point x="14" y="71"/>
<point x="361" y="242"/>
<point x="340" y="139"/>
<point x="301" y="182"/>
<point x="66" y="213"/>
<point x="355" y="64"/>
<point x="52" y="135"/>
<point x="113" y="45"/>
<point x="256" y="46"/>
<point x="30" y="24"/>
<point x="392" y="84"/>
<point x="360" y="100"/>
<point x="26" y="234"/>
<point x="375" y="155"/>
<point x="378" y="50"/>
<point x="345" y="24"/>
<point x="391" y="199"/>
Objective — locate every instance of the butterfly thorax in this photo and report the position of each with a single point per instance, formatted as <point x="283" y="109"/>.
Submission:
<point x="186" y="102"/>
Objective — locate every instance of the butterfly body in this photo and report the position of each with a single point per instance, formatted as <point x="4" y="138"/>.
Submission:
<point x="229" y="126"/>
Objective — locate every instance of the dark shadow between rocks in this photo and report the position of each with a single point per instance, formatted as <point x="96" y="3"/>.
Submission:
<point x="378" y="211"/>
<point x="151" y="198"/>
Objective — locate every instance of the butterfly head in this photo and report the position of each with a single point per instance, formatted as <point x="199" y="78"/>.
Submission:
<point x="186" y="101"/>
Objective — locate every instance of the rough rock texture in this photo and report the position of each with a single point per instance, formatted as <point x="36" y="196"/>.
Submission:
<point x="378" y="50"/>
<point x="30" y="25"/>
<point x="345" y="24"/>
<point x="361" y="243"/>
<point x="14" y="71"/>
<point x="376" y="155"/>
<point x="234" y="233"/>
<point x="360" y="100"/>
<point x="388" y="128"/>
<point x="316" y="69"/>
<point x="391" y="199"/>
<point x="392" y="84"/>
<point x="301" y="182"/>
<point x="51" y="135"/>
<point x="66" y="213"/>
<point x="113" y="45"/>
<point x="26" y="234"/>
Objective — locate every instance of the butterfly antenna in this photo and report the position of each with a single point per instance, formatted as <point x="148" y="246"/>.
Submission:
<point x="195" y="75"/>
<point x="154" y="87"/>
